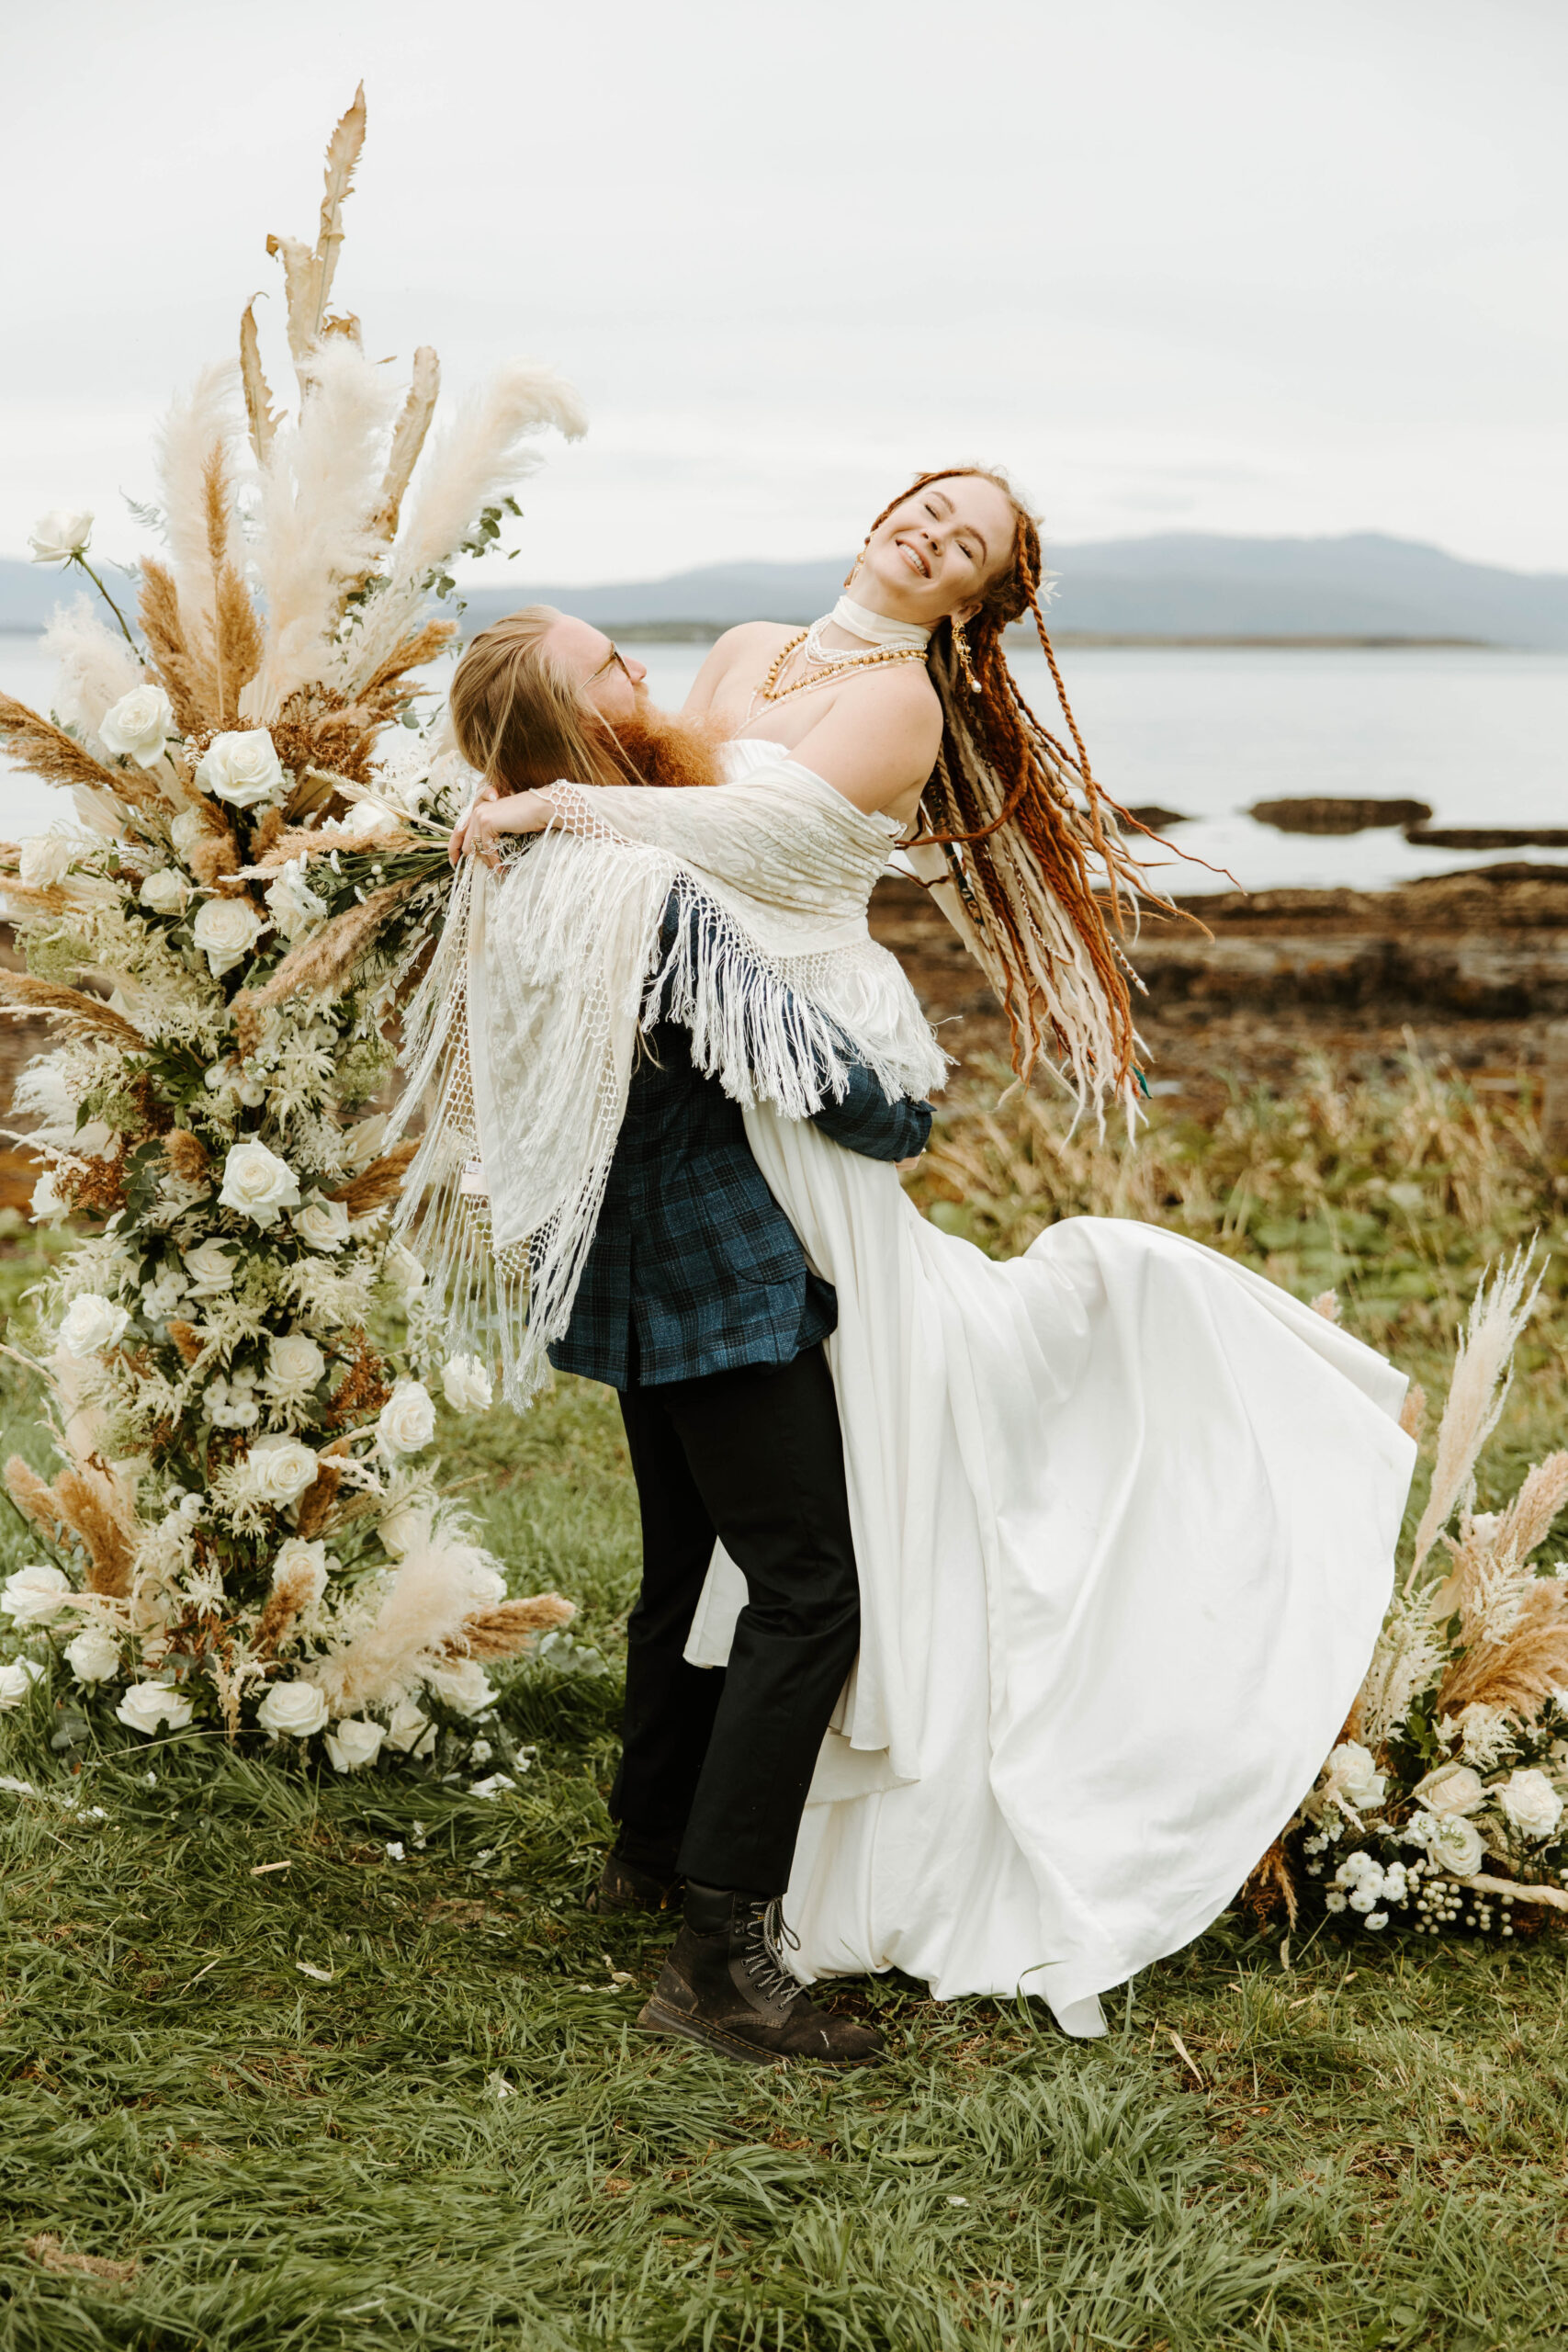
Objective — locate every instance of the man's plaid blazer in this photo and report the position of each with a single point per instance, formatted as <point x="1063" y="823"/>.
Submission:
<point x="695" y="1267"/>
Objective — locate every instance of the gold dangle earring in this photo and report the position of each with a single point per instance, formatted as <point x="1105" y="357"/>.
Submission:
<point x="961" y="647"/>
<point x="850" y="575"/>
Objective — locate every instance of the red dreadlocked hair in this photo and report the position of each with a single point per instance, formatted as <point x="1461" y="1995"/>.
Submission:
<point x="1000" y="804"/>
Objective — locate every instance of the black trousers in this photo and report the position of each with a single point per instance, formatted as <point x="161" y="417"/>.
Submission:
<point x="715" y="1762"/>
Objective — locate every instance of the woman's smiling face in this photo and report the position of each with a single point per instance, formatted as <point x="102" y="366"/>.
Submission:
<point x="934" y="553"/>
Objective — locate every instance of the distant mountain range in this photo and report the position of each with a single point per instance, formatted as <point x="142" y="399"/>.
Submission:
<point x="1180" y="584"/>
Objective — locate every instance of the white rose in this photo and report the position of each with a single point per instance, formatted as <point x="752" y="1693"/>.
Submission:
<point x="493" y="1787"/>
<point x="365" y="818"/>
<point x="1353" y="1774"/>
<point x="1454" y="1843"/>
<point x="402" y="1529"/>
<point x="294" y="906"/>
<point x="257" y="1184"/>
<point x="403" y="1270"/>
<point x="188" y="828"/>
<point x="466" y="1385"/>
<point x="410" y="1729"/>
<point x="139" y="726"/>
<point x="62" y="533"/>
<point x="47" y="1202"/>
<point x="35" y="1596"/>
<point x="91" y="1325"/>
<point x="352" y="1742"/>
<point x="466" y="1687"/>
<point x="46" y="860"/>
<point x="295" y="1364"/>
<point x="94" y="1656"/>
<point x="242" y="768"/>
<point x="210" y="1268"/>
<point x="225" y="930"/>
<point x="295" y="1708"/>
<point x="147" y="1705"/>
<point x="407" y="1420"/>
<point x="17" y="1678"/>
<point x="278" y="1470"/>
<point x="1452" y="1788"/>
<point x="165" y="892"/>
<point x="1532" y="1804"/>
<point x="297" y="1557"/>
<point x="322" y="1224"/>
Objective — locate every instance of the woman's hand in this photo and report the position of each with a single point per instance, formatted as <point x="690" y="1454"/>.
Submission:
<point x="491" y="814"/>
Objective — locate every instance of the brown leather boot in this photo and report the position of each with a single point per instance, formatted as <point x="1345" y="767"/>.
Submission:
<point x="624" y="1886"/>
<point x="724" y="1984"/>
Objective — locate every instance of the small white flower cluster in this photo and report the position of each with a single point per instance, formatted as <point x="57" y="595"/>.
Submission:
<point x="1445" y="1902"/>
<point x="1363" y="1883"/>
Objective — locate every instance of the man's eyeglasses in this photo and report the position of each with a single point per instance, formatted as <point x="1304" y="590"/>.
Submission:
<point x="613" y="660"/>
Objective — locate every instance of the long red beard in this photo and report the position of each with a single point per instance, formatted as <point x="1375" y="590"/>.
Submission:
<point x="671" y="751"/>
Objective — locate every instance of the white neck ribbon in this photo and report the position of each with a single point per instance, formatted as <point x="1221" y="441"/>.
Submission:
<point x="876" y="628"/>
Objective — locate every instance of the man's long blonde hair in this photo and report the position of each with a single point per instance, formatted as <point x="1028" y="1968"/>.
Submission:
<point x="520" y="719"/>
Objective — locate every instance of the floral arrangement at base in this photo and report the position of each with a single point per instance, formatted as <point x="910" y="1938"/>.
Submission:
<point x="244" y="1529"/>
<point x="1444" y="1808"/>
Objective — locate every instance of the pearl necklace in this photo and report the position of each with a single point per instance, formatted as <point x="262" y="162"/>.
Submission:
<point x="839" y="664"/>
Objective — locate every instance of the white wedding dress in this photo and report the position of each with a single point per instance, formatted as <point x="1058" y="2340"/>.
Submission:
<point x="1125" y="1516"/>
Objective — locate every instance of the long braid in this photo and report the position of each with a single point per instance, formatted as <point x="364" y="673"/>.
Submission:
<point x="1026" y="829"/>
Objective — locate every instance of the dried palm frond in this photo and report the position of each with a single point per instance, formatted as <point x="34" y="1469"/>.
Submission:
<point x="343" y="154"/>
<point x="186" y="1155"/>
<point x="293" y="1589"/>
<point x="1481" y="1377"/>
<point x="508" y="1626"/>
<point x="188" y="1339"/>
<point x="185" y="677"/>
<point x="1520" y="1671"/>
<point x="92" y="1508"/>
<point x="1527" y="1519"/>
<point x="93" y="665"/>
<point x="318" y="491"/>
<point x="260" y="415"/>
<point x="302" y="281"/>
<point x="44" y="750"/>
<point x="483" y="455"/>
<point x="199" y="517"/>
<point x="80" y="1015"/>
<point x="36" y="1499"/>
<point x="382" y="1181"/>
<point x="319" y="1498"/>
<point x="326" y="961"/>
<point x="1413" y="1412"/>
<point x="425" y="390"/>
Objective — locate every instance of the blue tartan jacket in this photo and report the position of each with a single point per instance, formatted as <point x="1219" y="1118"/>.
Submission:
<point x="695" y="1267"/>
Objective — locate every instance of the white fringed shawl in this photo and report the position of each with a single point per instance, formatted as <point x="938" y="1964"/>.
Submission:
<point x="525" y="1028"/>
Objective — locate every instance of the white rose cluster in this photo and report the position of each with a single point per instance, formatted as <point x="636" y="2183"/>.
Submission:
<point x="164" y="893"/>
<point x="226" y="929"/>
<point x="1352" y="1777"/>
<point x="298" y="1560"/>
<point x="295" y="1364"/>
<point x="278" y="1471"/>
<point x="406" y="1423"/>
<point x="146" y="1705"/>
<point x="94" y="1656"/>
<point x="46" y="859"/>
<point x="139" y="726"/>
<point x="355" y="1741"/>
<point x="292" y="1710"/>
<point x="209" y="1269"/>
<point x="35" y="1596"/>
<point x="1450" y="1841"/>
<point x="17" y="1678"/>
<point x="257" y="1184"/>
<point x="322" y="1224"/>
<point x="56" y="536"/>
<point x="92" y="1324"/>
<point x="1530" y="1804"/>
<point x="466" y="1385"/>
<point x="242" y="767"/>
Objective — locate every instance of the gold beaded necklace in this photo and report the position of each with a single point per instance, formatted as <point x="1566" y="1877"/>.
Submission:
<point x="771" y="690"/>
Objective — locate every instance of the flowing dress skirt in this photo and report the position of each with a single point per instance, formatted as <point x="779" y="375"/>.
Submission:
<point x="1125" y="1516"/>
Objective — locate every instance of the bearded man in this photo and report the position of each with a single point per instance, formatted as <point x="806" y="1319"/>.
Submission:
<point x="697" y="1304"/>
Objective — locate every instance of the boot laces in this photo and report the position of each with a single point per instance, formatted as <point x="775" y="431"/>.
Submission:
<point x="767" y="1936"/>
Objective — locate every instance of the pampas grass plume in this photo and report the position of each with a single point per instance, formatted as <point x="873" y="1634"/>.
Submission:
<point x="1481" y="1378"/>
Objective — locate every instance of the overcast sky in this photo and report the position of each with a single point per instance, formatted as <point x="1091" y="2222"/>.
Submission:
<point x="1196" y="264"/>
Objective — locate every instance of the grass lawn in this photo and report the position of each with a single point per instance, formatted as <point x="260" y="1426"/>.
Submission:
<point x="389" y="2093"/>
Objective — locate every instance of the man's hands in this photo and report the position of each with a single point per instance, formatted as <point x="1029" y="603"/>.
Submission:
<point x="490" y="814"/>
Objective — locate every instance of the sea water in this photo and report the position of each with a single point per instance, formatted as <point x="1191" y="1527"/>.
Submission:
<point x="1205" y="731"/>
